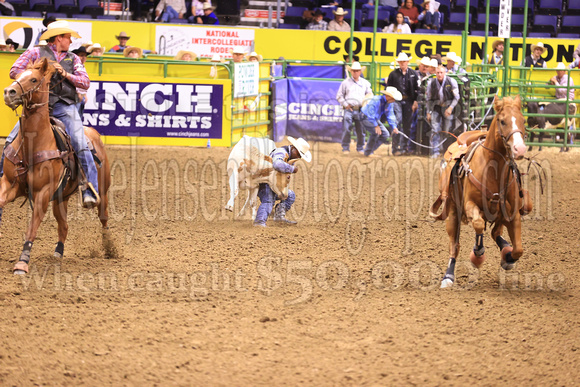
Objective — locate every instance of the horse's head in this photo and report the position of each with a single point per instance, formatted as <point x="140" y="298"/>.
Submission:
<point x="511" y="125"/>
<point x="36" y="77"/>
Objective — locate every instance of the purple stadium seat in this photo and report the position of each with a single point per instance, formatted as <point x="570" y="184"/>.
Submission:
<point x="539" y="35"/>
<point x="425" y="31"/>
<point x="81" y="16"/>
<point x="573" y="8"/>
<point x="545" y="23"/>
<point x="31" y="14"/>
<point x="519" y="7"/>
<point x="91" y="7"/>
<point x="293" y="15"/>
<point x="570" y="24"/>
<point x="287" y="26"/>
<point x="66" y="6"/>
<point x="57" y="15"/>
<point x="106" y="17"/>
<point x="550" y="7"/>
<point x="481" y="33"/>
<point x="383" y="18"/>
<point x="41" y="5"/>
<point x="566" y="35"/>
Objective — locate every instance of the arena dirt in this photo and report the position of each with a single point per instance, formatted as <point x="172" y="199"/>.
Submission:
<point x="194" y="295"/>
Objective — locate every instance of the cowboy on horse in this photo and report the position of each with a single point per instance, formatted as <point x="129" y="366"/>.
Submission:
<point x="70" y="74"/>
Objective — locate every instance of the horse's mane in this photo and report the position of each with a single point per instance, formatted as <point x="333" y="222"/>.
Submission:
<point x="45" y="65"/>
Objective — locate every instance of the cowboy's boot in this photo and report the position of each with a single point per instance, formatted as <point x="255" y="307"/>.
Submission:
<point x="280" y="215"/>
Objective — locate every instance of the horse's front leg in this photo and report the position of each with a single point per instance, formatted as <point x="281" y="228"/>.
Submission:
<point x="60" y="213"/>
<point x="514" y="228"/>
<point x="8" y="193"/>
<point x="41" y="199"/>
<point x="453" y="226"/>
<point x="475" y="215"/>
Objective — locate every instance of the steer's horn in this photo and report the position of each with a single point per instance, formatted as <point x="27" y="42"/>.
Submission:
<point x="291" y="162"/>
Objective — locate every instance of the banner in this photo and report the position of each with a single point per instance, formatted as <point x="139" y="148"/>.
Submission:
<point x="204" y="41"/>
<point x="313" y="111"/>
<point x="315" y="71"/>
<point x="155" y="109"/>
<point x="280" y="111"/>
<point x="246" y="79"/>
<point x="27" y="31"/>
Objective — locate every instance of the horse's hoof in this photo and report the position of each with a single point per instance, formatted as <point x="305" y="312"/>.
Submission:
<point x="507" y="262"/>
<point x="20" y="268"/>
<point x="475" y="260"/>
<point x="230" y="208"/>
<point x="57" y="254"/>
<point x="446" y="283"/>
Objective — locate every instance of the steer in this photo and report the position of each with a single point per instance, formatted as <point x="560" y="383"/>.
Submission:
<point x="249" y="165"/>
<point x="542" y="122"/>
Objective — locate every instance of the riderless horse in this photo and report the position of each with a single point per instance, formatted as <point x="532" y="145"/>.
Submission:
<point x="37" y="168"/>
<point x="481" y="183"/>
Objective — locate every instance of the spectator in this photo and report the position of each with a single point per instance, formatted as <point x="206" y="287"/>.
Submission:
<point x="197" y="9"/>
<point x="372" y="114"/>
<point x="432" y="68"/>
<point x="406" y="81"/>
<point x="411" y="13"/>
<point x="12" y="45"/>
<point x="170" y="9"/>
<point x="96" y="50"/>
<point x="576" y="53"/>
<point x="187" y="56"/>
<point x="561" y="79"/>
<point x="6" y="9"/>
<point x="81" y="52"/>
<point x="238" y="54"/>
<point x="442" y="97"/>
<point x="430" y="16"/>
<point x="133" y="52"/>
<point x="418" y="122"/>
<point x="399" y="26"/>
<point x="338" y="24"/>
<point x="254" y="57"/>
<point x="496" y="57"/>
<point x="317" y="22"/>
<point x="209" y="17"/>
<point x="386" y="3"/>
<point x="453" y="61"/>
<point x="213" y="72"/>
<point x="350" y="95"/>
<point x="123" y="38"/>
<point x="535" y="58"/>
<point x="299" y="149"/>
<point x="422" y="70"/>
<point x="3" y="45"/>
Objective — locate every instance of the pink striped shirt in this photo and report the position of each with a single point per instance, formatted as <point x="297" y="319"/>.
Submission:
<point x="79" y="78"/>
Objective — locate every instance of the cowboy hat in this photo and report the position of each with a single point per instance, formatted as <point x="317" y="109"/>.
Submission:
<point x="87" y="44"/>
<point x="181" y="53"/>
<point x="2" y="42"/>
<point x="217" y="58"/>
<point x="496" y="43"/>
<point x="207" y="6"/>
<point x="433" y="63"/>
<point x="303" y="148"/>
<point x="253" y="54"/>
<point x="80" y="50"/>
<point x="393" y="92"/>
<point x="561" y="66"/>
<point x="538" y="45"/>
<point x="356" y="66"/>
<point x="318" y="12"/>
<point x="452" y="57"/>
<point x="41" y="43"/>
<point x="59" y="27"/>
<point x="123" y="34"/>
<point x="238" y="50"/>
<point x="95" y="47"/>
<point x="403" y="57"/>
<point x="340" y="12"/>
<point x="133" y="48"/>
<point x="425" y="61"/>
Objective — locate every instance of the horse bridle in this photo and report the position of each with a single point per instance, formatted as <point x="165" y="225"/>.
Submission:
<point x="26" y="95"/>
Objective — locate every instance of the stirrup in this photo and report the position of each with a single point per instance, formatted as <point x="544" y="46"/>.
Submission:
<point x="91" y="204"/>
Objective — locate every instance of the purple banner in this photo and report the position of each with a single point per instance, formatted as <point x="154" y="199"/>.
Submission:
<point x="313" y="111"/>
<point x="280" y="103"/>
<point x="155" y="109"/>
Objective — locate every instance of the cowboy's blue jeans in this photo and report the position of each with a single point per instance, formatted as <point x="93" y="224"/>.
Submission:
<point x="375" y="140"/>
<point x="268" y="198"/>
<point x="69" y="116"/>
<point x="351" y="116"/>
<point x="438" y="119"/>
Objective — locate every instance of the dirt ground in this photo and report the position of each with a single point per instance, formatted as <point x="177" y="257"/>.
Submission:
<point x="350" y="296"/>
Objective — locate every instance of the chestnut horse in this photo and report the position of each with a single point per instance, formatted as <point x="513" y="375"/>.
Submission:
<point x="34" y="166"/>
<point x="481" y="183"/>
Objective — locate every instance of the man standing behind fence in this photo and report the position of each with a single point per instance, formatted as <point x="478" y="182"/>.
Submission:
<point x="350" y="95"/>
<point x="406" y="81"/>
<point x="442" y="97"/>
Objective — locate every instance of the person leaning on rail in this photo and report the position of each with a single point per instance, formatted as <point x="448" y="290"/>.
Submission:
<point x="351" y="94"/>
<point x="70" y="74"/>
<point x="338" y="24"/>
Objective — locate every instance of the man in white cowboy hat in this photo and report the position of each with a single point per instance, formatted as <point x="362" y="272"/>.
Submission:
<point x="373" y="112"/>
<point x="424" y="75"/>
<point x="170" y="9"/>
<point x="453" y="61"/>
<point x="350" y="95"/>
<point x="238" y="54"/>
<point x="299" y="148"/>
<point x="70" y="74"/>
<point x="338" y="24"/>
<point x="535" y="58"/>
<point x="96" y="50"/>
<point x="442" y="97"/>
<point x="123" y="38"/>
<point x="185" y="55"/>
<point x="561" y="79"/>
<point x="406" y="81"/>
<point x="209" y="17"/>
<point x="422" y="70"/>
<point x="254" y="57"/>
<point x="133" y="52"/>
